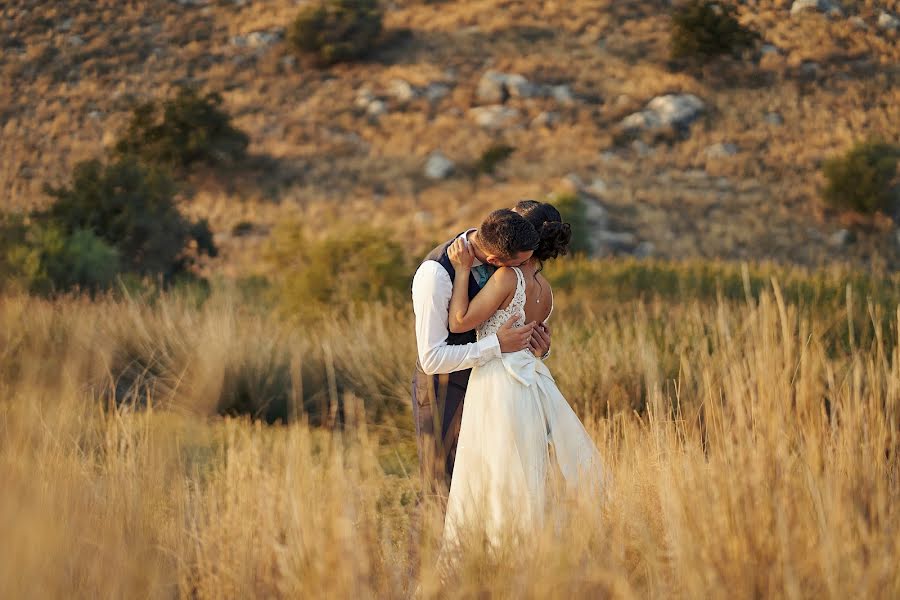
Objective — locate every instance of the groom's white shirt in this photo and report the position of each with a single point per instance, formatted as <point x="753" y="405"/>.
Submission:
<point x="431" y="293"/>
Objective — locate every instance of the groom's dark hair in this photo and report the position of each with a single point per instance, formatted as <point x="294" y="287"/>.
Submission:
<point x="507" y="233"/>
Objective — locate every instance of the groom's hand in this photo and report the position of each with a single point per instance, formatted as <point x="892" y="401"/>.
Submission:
<point x="513" y="339"/>
<point x="540" y="340"/>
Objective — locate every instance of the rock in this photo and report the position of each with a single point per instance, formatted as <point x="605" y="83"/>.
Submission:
<point x="492" y="88"/>
<point x="545" y="119"/>
<point x="596" y="214"/>
<point x="810" y="70"/>
<point x="438" y="166"/>
<point x="773" y="118"/>
<point x="376" y="108"/>
<point x="495" y="87"/>
<point x="65" y="25"/>
<point x="261" y="39"/>
<point x="769" y="49"/>
<point x="562" y="94"/>
<point x="289" y="61"/>
<point x="859" y="23"/>
<point x="401" y="90"/>
<point x="888" y="22"/>
<point x="822" y="6"/>
<point x="721" y="150"/>
<point x="642" y="148"/>
<point x="840" y="238"/>
<point x="364" y="97"/>
<point x="436" y="91"/>
<point x="597" y="187"/>
<point x="75" y="41"/>
<point x="494" y="117"/>
<point x="616" y="240"/>
<point x="644" y="250"/>
<point x="519" y="87"/>
<point x="672" y="110"/>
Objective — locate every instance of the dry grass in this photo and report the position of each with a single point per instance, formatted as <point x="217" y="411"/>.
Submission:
<point x="763" y="462"/>
<point x="65" y="102"/>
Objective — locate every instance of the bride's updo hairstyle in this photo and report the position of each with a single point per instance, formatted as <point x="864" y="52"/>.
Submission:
<point x="555" y="236"/>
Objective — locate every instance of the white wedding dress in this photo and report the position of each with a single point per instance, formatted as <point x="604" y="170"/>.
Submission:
<point x="513" y="414"/>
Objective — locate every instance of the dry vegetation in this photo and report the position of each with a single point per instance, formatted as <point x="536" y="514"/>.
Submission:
<point x="760" y="457"/>
<point x="73" y="68"/>
<point x="751" y="432"/>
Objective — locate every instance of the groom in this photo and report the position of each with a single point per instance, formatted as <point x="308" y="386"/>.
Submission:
<point x="504" y="239"/>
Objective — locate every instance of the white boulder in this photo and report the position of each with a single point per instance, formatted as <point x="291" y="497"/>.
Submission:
<point x="671" y="110"/>
<point x="888" y="22"/>
<point x="438" y="166"/>
<point x="494" y="117"/>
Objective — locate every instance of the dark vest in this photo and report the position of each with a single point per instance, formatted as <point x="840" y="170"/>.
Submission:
<point x="439" y="255"/>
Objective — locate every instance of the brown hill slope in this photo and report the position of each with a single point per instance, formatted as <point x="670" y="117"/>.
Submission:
<point x="350" y="142"/>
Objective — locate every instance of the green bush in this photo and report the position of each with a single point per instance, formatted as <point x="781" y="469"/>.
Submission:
<point x="182" y="131"/>
<point x="333" y="31"/>
<point x="347" y="267"/>
<point x="43" y="259"/>
<point x="574" y="212"/>
<point x="704" y="29"/>
<point x="131" y="208"/>
<point x="493" y="157"/>
<point x="862" y="178"/>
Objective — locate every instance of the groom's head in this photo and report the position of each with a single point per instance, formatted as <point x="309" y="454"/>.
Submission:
<point x="506" y="239"/>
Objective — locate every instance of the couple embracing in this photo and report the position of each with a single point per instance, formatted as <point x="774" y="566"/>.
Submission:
<point x="481" y="307"/>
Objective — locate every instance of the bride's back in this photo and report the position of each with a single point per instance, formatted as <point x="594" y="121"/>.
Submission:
<point x="538" y="295"/>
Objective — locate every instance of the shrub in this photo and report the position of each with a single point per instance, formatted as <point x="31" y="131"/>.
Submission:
<point x="861" y="179"/>
<point x="574" y="212"/>
<point x="333" y="31"/>
<point x="492" y="158"/>
<point x="131" y="208"/>
<point x="43" y="259"/>
<point x="347" y="267"/>
<point x="184" y="130"/>
<point x="704" y="29"/>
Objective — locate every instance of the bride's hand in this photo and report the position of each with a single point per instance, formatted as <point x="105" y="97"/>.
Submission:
<point x="461" y="254"/>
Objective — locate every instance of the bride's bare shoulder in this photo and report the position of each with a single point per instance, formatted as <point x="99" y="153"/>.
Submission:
<point x="505" y="276"/>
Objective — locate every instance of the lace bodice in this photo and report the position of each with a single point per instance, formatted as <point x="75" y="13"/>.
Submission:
<point x="516" y="307"/>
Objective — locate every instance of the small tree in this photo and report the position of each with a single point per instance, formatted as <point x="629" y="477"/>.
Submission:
<point x="573" y="211"/>
<point x="131" y="208"/>
<point x="182" y="131"/>
<point x="333" y="31"/>
<point x="704" y="29"/>
<point x="353" y="265"/>
<point x="862" y="178"/>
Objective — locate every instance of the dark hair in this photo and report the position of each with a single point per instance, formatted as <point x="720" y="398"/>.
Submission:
<point x="506" y="233"/>
<point x="554" y="235"/>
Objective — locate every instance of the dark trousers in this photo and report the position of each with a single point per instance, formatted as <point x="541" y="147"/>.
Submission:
<point x="437" y="411"/>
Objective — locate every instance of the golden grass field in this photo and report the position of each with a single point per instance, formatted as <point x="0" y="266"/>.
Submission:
<point x="752" y="448"/>
<point x="749" y="417"/>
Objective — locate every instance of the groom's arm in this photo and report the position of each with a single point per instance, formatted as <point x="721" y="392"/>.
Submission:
<point x="431" y="292"/>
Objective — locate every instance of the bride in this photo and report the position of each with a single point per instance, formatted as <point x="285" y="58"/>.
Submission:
<point x="514" y="413"/>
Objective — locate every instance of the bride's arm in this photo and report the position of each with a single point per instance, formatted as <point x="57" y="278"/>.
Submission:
<point x="466" y="315"/>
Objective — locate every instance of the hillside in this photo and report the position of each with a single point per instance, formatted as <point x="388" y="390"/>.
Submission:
<point x="350" y="143"/>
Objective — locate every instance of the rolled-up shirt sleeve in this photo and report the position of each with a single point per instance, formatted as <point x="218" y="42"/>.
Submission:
<point x="431" y="292"/>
